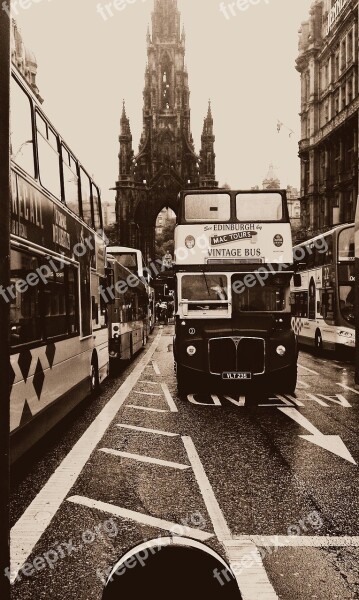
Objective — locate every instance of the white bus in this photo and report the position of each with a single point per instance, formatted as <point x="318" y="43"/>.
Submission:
<point x="59" y="336"/>
<point x="322" y="291"/>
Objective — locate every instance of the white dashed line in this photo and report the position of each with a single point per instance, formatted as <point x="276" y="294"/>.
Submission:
<point x="145" y="430"/>
<point x="148" y="382"/>
<point x="37" y="517"/>
<point x="303" y="384"/>
<point x="309" y="370"/>
<point x="169" y="398"/>
<point x="145" y="459"/>
<point x="156" y="368"/>
<point x="146" y="393"/>
<point x="345" y="387"/>
<point x="146" y="408"/>
<point x="300" y="541"/>
<point x="141" y="518"/>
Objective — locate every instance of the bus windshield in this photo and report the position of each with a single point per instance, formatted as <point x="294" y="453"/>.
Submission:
<point x="127" y="259"/>
<point x="207" y="208"/>
<point x="251" y="296"/>
<point x="259" y="207"/>
<point x="204" y="287"/>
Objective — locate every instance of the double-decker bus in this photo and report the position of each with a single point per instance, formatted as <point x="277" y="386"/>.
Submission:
<point x="128" y="312"/>
<point x="59" y="336"/>
<point x="323" y="290"/>
<point x="233" y="265"/>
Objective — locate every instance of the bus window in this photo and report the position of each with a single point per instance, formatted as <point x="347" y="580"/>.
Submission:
<point x="202" y="208"/>
<point x="96" y="207"/>
<point x="86" y="198"/>
<point x="21" y="134"/>
<point x="204" y="287"/>
<point x="71" y="181"/>
<point x="346" y="249"/>
<point x="329" y="306"/>
<point x="49" y="165"/>
<point x="273" y="297"/>
<point x="300" y="306"/>
<point x="54" y="300"/>
<point x="259" y="207"/>
<point x="346" y="300"/>
<point x="128" y="260"/>
<point x="25" y="306"/>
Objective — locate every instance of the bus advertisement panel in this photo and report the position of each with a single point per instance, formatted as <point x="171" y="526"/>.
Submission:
<point x="229" y="228"/>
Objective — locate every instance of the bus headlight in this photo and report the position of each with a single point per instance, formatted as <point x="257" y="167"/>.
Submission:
<point x="191" y="350"/>
<point x="281" y="350"/>
<point x="190" y="242"/>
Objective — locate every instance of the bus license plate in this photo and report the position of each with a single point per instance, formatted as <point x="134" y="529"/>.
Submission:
<point x="237" y="376"/>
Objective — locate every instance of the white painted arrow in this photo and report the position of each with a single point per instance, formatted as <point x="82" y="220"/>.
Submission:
<point x="332" y="443"/>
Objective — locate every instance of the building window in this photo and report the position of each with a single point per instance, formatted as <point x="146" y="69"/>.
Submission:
<point x="343" y="52"/>
<point x="336" y="66"/>
<point x="350" y="46"/>
<point x="343" y="97"/>
<point x="336" y="103"/>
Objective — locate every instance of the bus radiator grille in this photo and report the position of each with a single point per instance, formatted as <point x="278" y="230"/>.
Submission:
<point x="236" y="354"/>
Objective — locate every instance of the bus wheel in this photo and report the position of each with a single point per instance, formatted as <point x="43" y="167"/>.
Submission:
<point x="94" y="377"/>
<point x="288" y="379"/>
<point x="318" y="343"/>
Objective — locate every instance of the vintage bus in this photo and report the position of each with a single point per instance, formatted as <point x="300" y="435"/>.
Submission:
<point x="132" y="259"/>
<point x="128" y="312"/>
<point x="233" y="265"/>
<point x="59" y="337"/>
<point x="323" y="290"/>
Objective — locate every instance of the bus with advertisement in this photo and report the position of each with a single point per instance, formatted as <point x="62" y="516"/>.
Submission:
<point x="59" y="336"/>
<point x="323" y="290"/>
<point x="233" y="265"/>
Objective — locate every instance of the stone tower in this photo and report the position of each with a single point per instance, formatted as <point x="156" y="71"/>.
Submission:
<point x="166" y="162"/>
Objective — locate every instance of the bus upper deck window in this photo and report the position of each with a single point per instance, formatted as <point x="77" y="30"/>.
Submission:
<point x="48" y="151"/>
<point x="96" y="207"/>
<point x="86" y="198"/>
<point x="71" y="181"/>
<point x="204" y="208"/>
<point x="346" y="247"/>
<point x="21" y="140"/>
<point x="259" y="207"/>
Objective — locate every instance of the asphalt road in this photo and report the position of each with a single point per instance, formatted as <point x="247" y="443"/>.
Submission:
<point x="270" y="483"/>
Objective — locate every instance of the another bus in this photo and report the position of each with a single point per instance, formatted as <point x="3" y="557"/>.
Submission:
<point x="323" y="290"/>
<point x="59" y="336"/>
<point x="128" y="312"/>
<point x="132" y="259"/>
<point x="233" y="265"/>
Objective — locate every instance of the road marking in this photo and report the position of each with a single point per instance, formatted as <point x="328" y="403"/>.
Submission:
<point x="146" y="408"/>
<point x="246" y="563"/>
<point x="142" y="519"/>
<point x="145" y="430"/>
<point x="169" y="398"/>
<point x="219" y="523"/>
<point x="296" y="401"/>
<point x="37" y="517"/>
<point x="298" y="541"/>
<point x="309" y="370"/>
<point x="145" y="459"/>
<point x="332" y="443"/>
<point x="240" y="402"/>
<point x="149" y="382"/>
<point x="156" y="368"/>
<point x="303" y="384"/>
<point x="318" y="400"/>
<point x="146" y="393"/>
<point x="215" y="400"/>
<point x="345" y="387"/>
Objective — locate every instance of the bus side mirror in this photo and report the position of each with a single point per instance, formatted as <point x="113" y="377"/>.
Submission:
<point x="297" y="280"/>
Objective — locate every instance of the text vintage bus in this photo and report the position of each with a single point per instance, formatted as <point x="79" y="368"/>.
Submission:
<point x="233" y="264"/>
<point x="323" y="290"/>
<point x="59" y="336"/>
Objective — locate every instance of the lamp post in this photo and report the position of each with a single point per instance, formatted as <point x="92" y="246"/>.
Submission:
<point x="5" y="24"/>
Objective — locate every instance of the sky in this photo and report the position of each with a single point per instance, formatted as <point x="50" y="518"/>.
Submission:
<point x="244" y="63"/>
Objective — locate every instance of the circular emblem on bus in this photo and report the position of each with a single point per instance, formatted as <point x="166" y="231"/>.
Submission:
<point x="192" y="331"/>
<point x="278" y="240"/>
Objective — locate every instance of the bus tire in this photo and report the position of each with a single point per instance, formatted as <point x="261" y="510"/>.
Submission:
<point x="288" y="379"/>
<point x="318" y="343"/>
<point x="94" y="376"/>
<point x="184" y="380"/>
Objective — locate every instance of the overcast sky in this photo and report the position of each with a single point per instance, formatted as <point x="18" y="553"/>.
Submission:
<point x="245" y="64"/>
